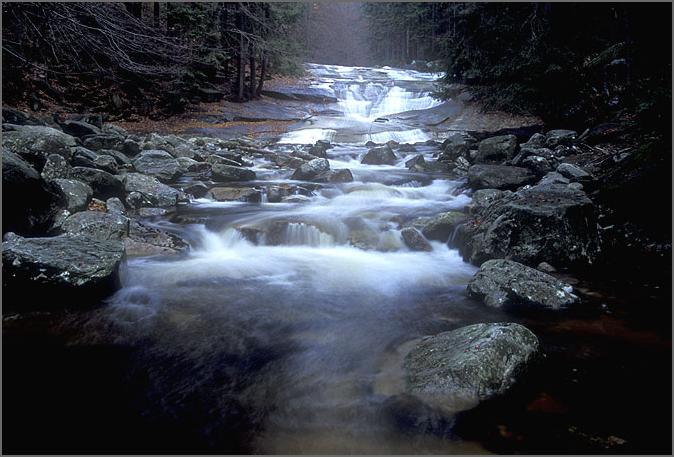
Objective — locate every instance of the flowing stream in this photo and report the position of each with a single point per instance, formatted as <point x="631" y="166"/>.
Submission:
<point x="283" y="328"/>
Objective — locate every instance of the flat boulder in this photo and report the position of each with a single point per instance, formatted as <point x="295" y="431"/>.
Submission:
<point x="151" y="191"/>
<point x="157" y="163"/>
<point x="500" y="177"/>
<point x="456" y="370"/>
<point x="497" y="149"/>
<point x="79" y="128"/>
<point x="383" y="155"/>
<point x="221" y="172"/>
<point x="503" y="283"/>
<point x="97" y="225"/>
<point x="66" y="269"/>
<point x="549" y="223"/>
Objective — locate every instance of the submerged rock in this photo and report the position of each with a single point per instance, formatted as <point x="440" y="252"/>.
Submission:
<point x="504" y="283"/>
<point x="67" y="269"/>
<point x="458" y="369"/>
<point x="383" y="155"/>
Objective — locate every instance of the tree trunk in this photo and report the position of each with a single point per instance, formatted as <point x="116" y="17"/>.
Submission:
<point x="253" y="88"/>
<point x="263" y="71"/>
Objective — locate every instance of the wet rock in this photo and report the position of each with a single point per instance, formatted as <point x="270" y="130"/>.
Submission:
<point x="574" y="173"/>
<point x="407" y="148"/>
<point x="144" y="240"/>
<point x="455" y="370"/>
<point x="498" y="177"/>
<point x="35" y="143"/>
<point x="103" y="183"/>
<point x="416" y="163"/>
<point x="504" y="283"/>
<point x="497" y="149"/>
<point x="537" y="165"/>
<point x="336" y="176"/>
<point x="30" y="205"/>
<point x="83" y="157"/>
<point x="455" y="146"/>
<point x="77" y="193"/>
<point x="484" y="197"/>
<point x="319" y="149"/>
<point x="55" y="167"/>
<point x="196" y="189"/>
<point x="151" y="192"/>
<point x="560" y="137"/>
<point x="188" y="165"/>
<point x="383" y="155"/>
<point x="541" y="223"/>
<point x="414" y="240"/>
<point x="440" y="227"/>
<point x="104" y="141"/>
<point x="311" y="170"/>
<point x="96" y="224"/>
<point x="296" y="199"/>
<point x="106" y="163"/>
<point x="68" y="269"/>
<point x="114" y="205"/>
<point x="222" y="172"/>
<point x="159" y="164"/>
<point x="79" y="128"/>
<point x="152" y="212"/>
<point x="221" y="160"/>
<point x="245" y="194"/>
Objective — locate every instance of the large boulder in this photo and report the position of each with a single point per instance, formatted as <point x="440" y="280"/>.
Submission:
<point x="497" y="149"/>
<point x="455" y="146"/>
<point x="383" y="155"/>
<point x="442" y="226"/>
<point x="103" y="183"/>
<point x="456" y="370"/>
<point x="551" y="223"/>
<point x="311" y="170"/>
<point x="79" y="128"/>
<point x="159" y="164"/>
<point x="144" y="240"/>
<point x="35" y="143"/>
<point x="59" y="271"/>
<point x="152" y="192"/>
<point x="30" y="205"/>
<point x="77" y="194"/>
<point x="500" y="177"/>
<point x="221" y="172"/>
<point x="503" y="283"/>
<point x="104" y="141"/>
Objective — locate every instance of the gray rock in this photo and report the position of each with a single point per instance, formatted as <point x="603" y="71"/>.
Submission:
<point x="115" y="206"/>
<point x="21" y="183"/>
<point x="541" y="223"/>
<point x="96" y="224"/>
<point x="79" y="128"/>
<point x="246" y="194"/>
<point x="455" y="370"/>
<point x="442" y="226"/>
<point x="121" y="159"/>
<point x="383" y="155"/>
<point x="104" y="141"/>
<point x="537" y="165"/>
<point x="311" y="170"/>
<point x="545" y="267"/>
<point x="83" y="157"/>
<point x="320" y="149"/>
<point x="497" y="149"/>
<point x="35" y="143"/>
<point x="68" y="269"/>
<point x="415" y="240"/>
<point x="144" y="240"/>
<point x="56" y="167"/>
<point x="106" y="163"/>
<point x="574" y="173"/>
<point x="537" y="140"/>
<point x="416" y="163"/>
<point x="151" y="191"/>
<point x="485" y="197"/>
<point x="336" y="176"/>
<point x="221" y="172"/>
<point x="498" y="177"/>
<point x="103" y="183"/>
<point x="188" y="165"/>
<point x="560" y="137"/>
<point x="130" y="147"/>
<point x="455" y="146"/>
<point x="504" y="283"/>
<point x="221" y="160"/>
<point x="575" y="186"/>
<point x="159" y="164"/>
<point x="77" y="194"/>
<point x="553" y="178"/>
<point x="407" y="148"/>
<point x="196" y="189"/>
